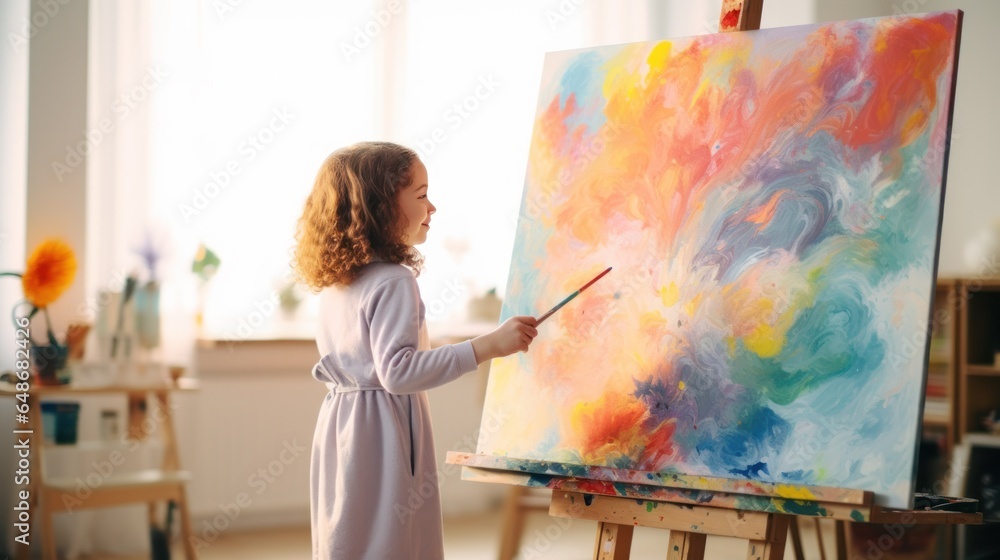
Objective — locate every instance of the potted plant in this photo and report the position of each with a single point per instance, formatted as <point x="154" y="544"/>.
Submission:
<point x="48" y="273"/>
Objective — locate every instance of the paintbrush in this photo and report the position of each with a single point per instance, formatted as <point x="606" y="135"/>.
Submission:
<point x="570" y="297"/>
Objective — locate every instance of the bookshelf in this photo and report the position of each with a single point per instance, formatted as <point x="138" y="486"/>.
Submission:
<point x="962" y="387"/>
<point x="979" y="352"/>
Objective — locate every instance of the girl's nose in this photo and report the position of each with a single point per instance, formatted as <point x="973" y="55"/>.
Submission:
<point x="432" y="209"/>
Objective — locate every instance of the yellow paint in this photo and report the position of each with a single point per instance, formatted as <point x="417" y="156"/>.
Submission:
<point x="650" y="320"/>
<point x="670" y="294"/>
<point x="794" y="492"/>
<point x="692" y="305"/>
<point x="681" y="385"/>
<point x="658" y="57"/>
<point x="765" y="341"/>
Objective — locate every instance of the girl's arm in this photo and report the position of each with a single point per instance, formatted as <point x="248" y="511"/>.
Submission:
<point x="393" y="319"/>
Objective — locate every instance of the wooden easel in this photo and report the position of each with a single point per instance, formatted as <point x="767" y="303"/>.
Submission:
<point x="689" y="525"/>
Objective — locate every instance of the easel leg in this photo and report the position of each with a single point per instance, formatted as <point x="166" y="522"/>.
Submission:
<point x="513" y="523"/>
<point x="686" y="546"/>
<point x="841" y="540"/>
<point x="819" y="538"/>
<point x="773" y="548"/>
<point x="614" y="541"/>
<point x="48" y="536"/>
<point x="793" y="527"/>
<point x="187" y="533"/>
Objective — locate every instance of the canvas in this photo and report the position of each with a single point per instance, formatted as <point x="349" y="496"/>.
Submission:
<point x="771" y="204"/>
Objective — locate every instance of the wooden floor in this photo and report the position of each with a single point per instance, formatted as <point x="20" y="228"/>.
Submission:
<point x="478" y="537"/>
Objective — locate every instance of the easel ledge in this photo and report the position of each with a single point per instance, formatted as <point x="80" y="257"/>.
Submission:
<point x="667" y="480"/>
<point x="866" y="513"/>
<point x="707" y="498"/>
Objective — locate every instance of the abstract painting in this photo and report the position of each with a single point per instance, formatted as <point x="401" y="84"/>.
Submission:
<point x="771" y="204"/>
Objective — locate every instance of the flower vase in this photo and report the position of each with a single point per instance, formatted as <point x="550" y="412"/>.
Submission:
<point x="147" y="315"/>
<point x="49" y="363"/>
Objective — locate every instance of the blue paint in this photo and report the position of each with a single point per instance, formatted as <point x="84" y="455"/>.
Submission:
<point x="582" y="81"/>
<point x="752" y="471"/>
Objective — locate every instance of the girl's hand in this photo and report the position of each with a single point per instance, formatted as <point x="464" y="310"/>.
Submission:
<point x="514" y="335"/>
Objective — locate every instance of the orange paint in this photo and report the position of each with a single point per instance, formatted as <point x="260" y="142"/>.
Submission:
<point x="904" y="89"/>
<point x="611" y="425"/>
<point x="764" y="214"/>
<point x="660" y="449"/>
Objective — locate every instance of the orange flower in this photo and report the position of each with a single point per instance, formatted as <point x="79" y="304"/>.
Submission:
<point x="51" y="268"/>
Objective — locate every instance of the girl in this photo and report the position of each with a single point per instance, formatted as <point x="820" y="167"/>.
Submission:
<point x="374" y="488"/>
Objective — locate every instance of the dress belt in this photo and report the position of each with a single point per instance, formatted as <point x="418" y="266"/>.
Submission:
<point x="337" y="389"/>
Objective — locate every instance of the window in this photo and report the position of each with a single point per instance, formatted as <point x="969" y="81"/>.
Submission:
<point x="257" y="94"/>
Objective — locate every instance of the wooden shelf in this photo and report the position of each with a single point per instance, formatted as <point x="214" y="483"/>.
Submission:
<point x="983" y="369"/>
<point x="939" y="358"/>
<point x="982" y="438"/>
<point x="136" y="479"/>
<point x="119" y="486"/>
<point x="937" y="419"/>
<point x="183" y="384"/>
<point x="142" y="486"/>
<point x="98" y="445"/>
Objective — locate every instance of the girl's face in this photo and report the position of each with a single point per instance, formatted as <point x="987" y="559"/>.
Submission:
<point x="415" y="207"/>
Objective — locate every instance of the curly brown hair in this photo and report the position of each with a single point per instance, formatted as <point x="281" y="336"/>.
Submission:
<point x="352" y="217"/>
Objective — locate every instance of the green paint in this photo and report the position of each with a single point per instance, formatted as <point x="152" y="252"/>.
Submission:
<point x="857" y="515"/>
<point x="804" y="508"/>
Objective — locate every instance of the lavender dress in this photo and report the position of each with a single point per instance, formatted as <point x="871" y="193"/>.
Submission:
<point x="373" y="480"/>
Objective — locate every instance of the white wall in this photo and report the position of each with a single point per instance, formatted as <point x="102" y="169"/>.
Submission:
<point x="57" y="121"/>
<point x="13" y="157"/>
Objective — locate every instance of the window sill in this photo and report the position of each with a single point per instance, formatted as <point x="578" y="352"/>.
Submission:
<point x="255" y="356"/>
<point x="294" y="350"/>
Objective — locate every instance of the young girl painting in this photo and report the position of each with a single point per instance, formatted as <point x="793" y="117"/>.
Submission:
<point x="373" y="448"/>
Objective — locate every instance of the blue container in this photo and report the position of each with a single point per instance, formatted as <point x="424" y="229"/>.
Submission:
<point x="59" y="421"/>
